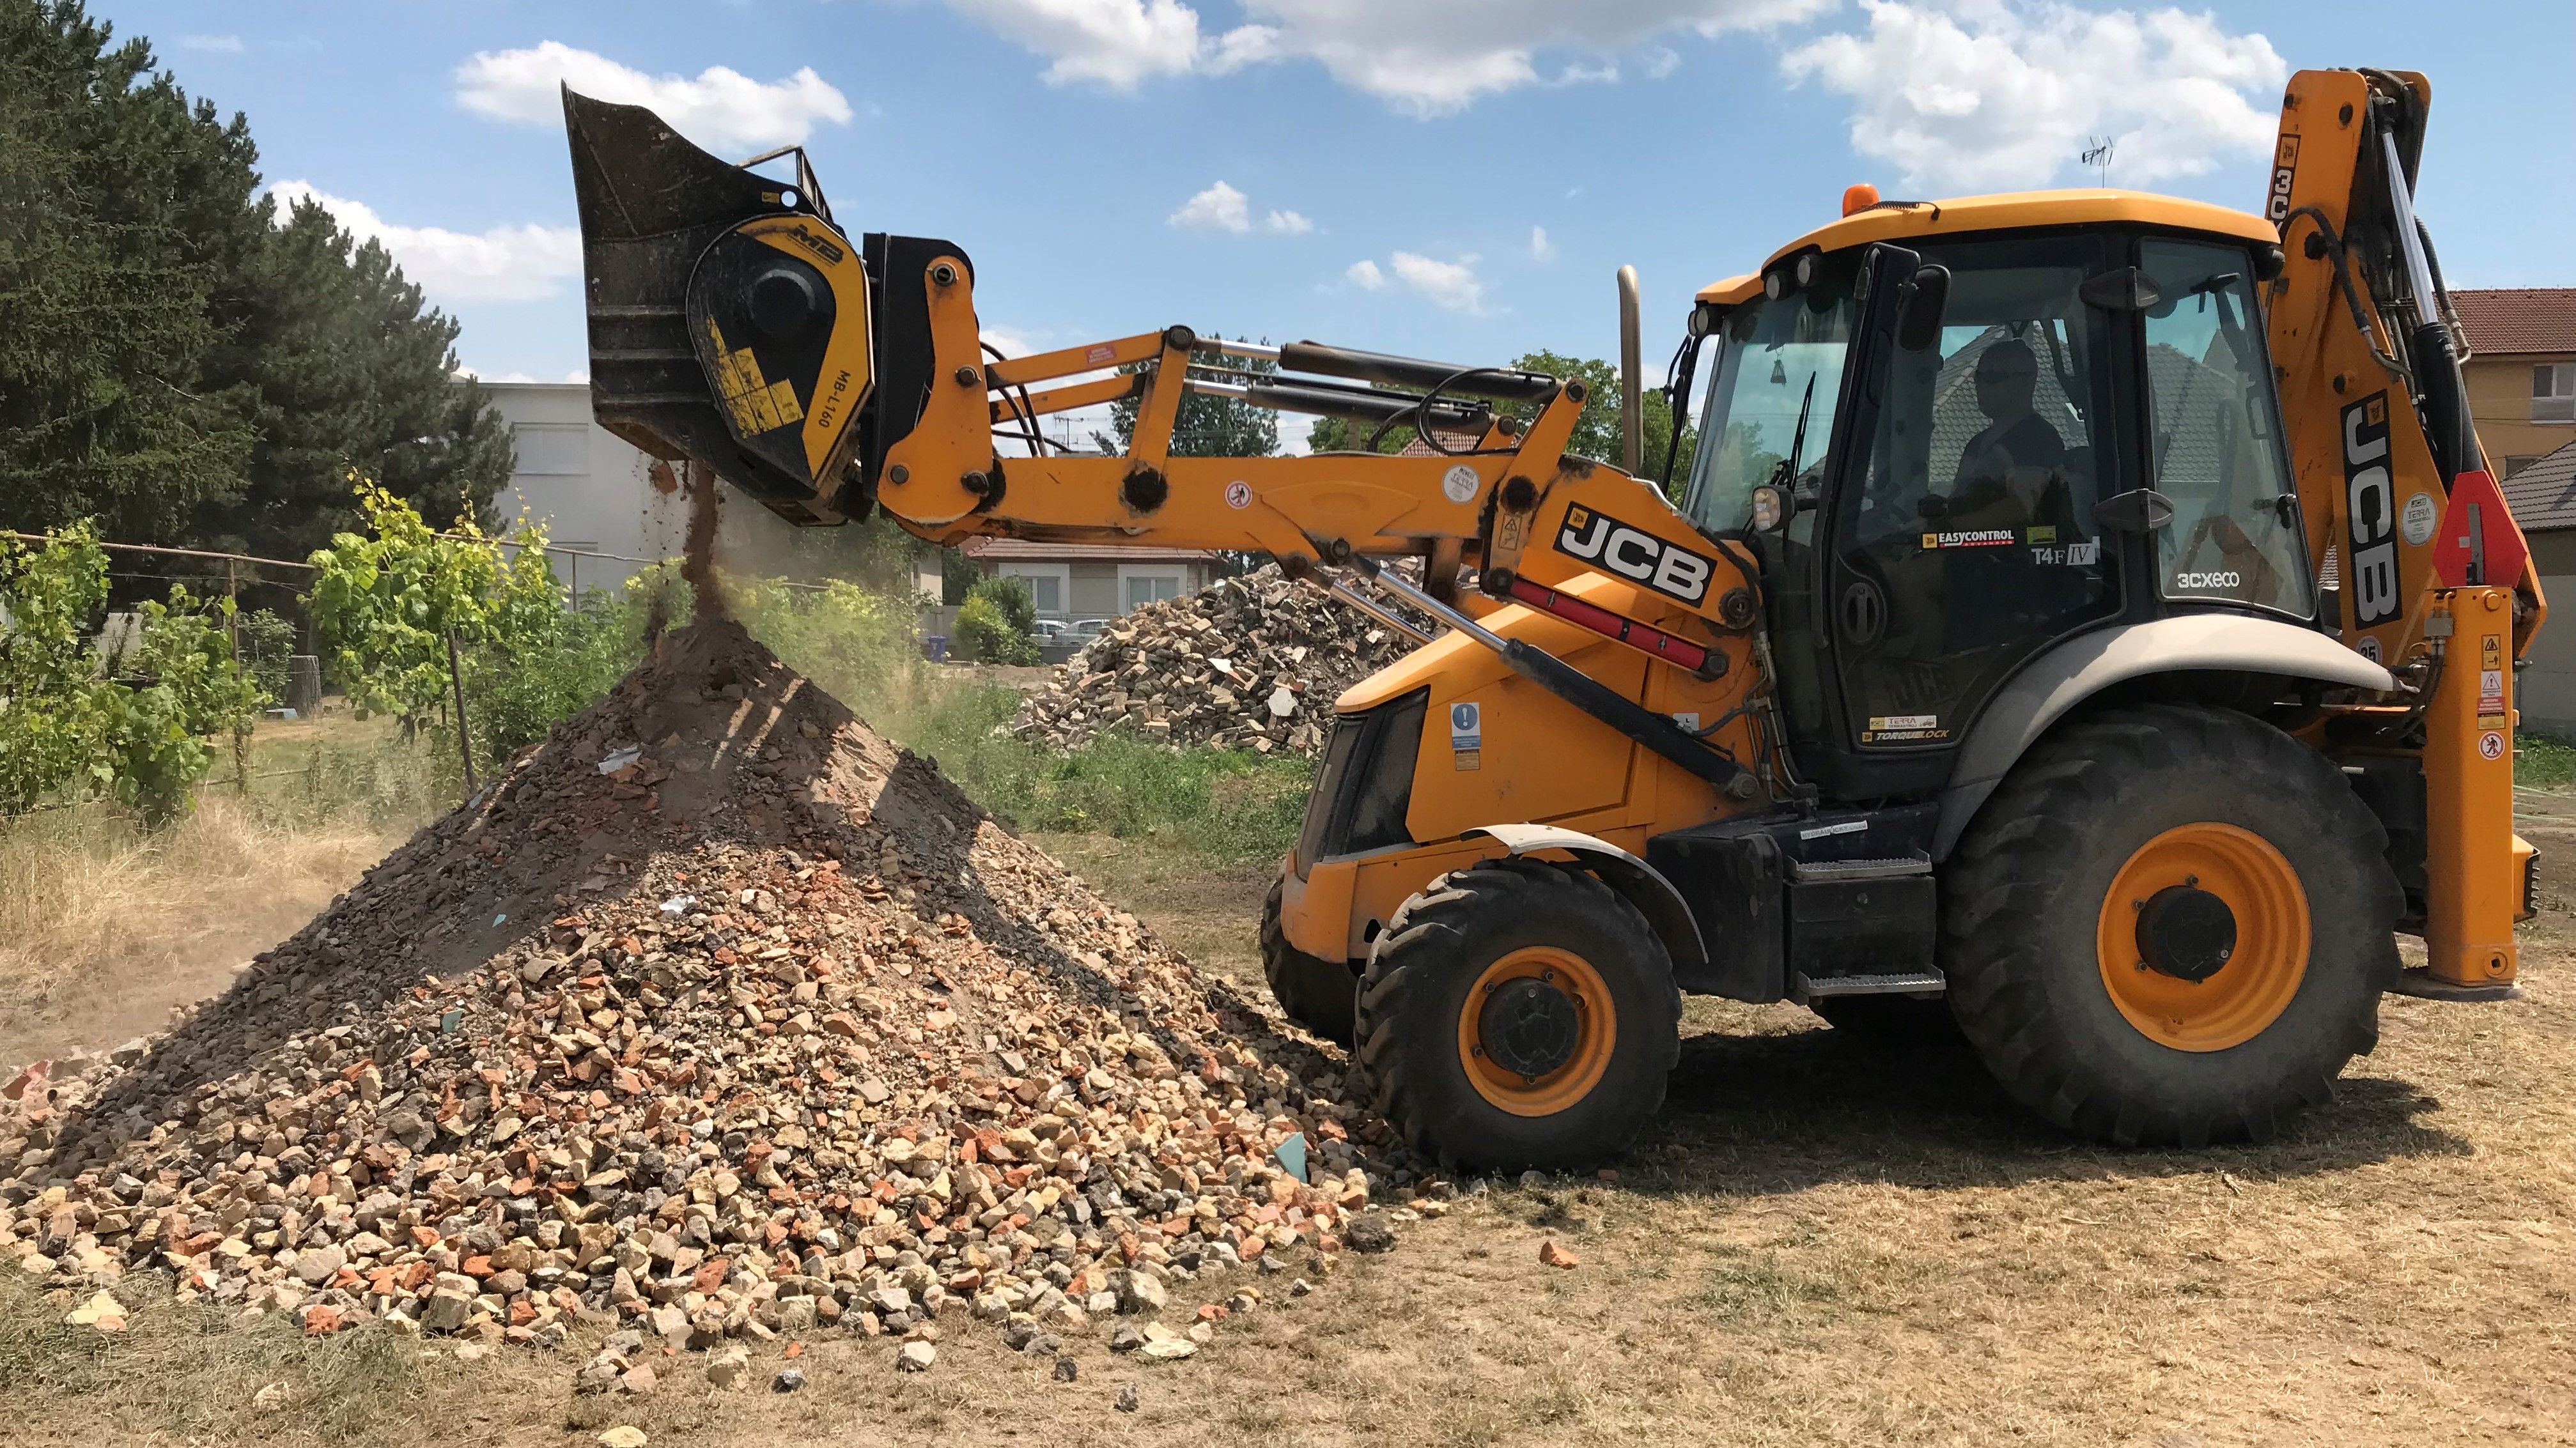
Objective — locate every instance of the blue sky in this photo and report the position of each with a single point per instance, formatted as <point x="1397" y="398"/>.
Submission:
<point x="1450" y="178"/>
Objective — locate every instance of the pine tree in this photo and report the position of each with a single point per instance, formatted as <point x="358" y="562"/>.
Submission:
<point x="177" y="361"/>
<point x="119" y="211"/>
<point x="349" y="371"/>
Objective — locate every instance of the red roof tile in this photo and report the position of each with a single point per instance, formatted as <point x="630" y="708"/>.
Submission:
<point x="1030" y="550"/>
<point x="2543" y="495"/>
<point x="2505" y="321"/>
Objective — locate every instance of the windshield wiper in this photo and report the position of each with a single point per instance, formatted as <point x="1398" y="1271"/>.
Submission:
<point x="1785" y="476"/>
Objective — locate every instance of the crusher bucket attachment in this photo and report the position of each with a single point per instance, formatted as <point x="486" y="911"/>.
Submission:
<point x="732" y="322"/>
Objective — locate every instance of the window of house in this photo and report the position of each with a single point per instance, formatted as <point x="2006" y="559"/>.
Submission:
<point x="551" y="447"/>
<point x="2553" y="392"/>
<point x="1139" y="586"/>
<point x="1047" y="585"/>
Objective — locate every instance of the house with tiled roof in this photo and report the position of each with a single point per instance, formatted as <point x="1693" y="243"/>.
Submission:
<point x="2542" y="494"/>
<point x="1075" y="581"/>
<point x="2521" y="371"/>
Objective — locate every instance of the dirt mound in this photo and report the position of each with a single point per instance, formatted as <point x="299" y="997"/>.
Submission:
<point x="1251" y="663"/>
<point x="717" y="1014"/>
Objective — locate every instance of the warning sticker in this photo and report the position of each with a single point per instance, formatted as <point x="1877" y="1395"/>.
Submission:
<point x="1467" y="736"/>
<point x="2418" y="518"/>
<point x="2491" y="745"/>
<point x="2491" y="676"/>
<point x="1904" y="729"/>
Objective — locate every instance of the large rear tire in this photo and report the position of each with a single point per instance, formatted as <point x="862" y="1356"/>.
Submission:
<point x="2171" y="925"/>
<point x="1518" y="1015"/>
<point x="1321" y="995"/>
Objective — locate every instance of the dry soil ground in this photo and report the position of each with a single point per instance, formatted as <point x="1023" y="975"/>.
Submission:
<point x="104" y="928"/>
<point x="1816" y="1244"/>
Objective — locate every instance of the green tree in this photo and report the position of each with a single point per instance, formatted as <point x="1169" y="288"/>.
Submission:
<point x="385" y="603"/>
<point x="120" y="221"/>
<point x="345" y="368"/>
<point x="67" y="727"/>
<point x="173" y="363"/>
<point x="998" y="622"/>
<point x="1206" y="426"/>
<point x="1596" y="430"/>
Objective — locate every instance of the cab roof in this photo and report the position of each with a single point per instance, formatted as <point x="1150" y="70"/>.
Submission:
<point x="2010" y="211"/>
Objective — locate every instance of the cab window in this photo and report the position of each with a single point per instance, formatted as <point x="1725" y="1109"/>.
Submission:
<point x="1770" y="404"/>
<point x="2216" y="440"/>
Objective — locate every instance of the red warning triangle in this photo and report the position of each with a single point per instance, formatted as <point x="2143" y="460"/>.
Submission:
<point x="2479" y="543"/>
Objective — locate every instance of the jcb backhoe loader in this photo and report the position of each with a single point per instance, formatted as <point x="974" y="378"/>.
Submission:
<point x="2090" y="619"/>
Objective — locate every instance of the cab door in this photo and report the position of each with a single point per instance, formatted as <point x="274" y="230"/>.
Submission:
<point x="1959" y="511"/>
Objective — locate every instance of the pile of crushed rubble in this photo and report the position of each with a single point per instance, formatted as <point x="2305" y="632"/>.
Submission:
<point x="1251" y="663"/>
<point x="715" y="1017"/>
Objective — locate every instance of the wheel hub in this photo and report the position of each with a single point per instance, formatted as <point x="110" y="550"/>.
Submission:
<point x="1529" y="1026"/>
<point x="2186" y="932"/>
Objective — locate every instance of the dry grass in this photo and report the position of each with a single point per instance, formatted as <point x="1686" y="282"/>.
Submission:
<point x="1206" y="911"/>
<point x="1816" y="1244"/>
<point x="105" y="927"/>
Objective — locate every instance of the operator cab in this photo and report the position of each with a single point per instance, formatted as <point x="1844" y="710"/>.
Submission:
<point x="2081" y="429"/>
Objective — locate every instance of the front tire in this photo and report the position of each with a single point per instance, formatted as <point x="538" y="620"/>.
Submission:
<point x="1321" y="995"/>
<point x="1518" y="1015"/>
<point x="2170" y="926"/>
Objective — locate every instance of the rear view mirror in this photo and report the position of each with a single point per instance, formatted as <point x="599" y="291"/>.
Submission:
<point x="1918" y="324"/>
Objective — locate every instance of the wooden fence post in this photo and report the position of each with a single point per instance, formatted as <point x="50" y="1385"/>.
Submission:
<point x="232" y="632"/>
<point x="464" y="739"/>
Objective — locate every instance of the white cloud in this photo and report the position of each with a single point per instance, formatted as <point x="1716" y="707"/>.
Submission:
<point x="1428" y="57"/>
<point x="1114" y="42"/>
<point x="1586" y="75"/>
<point x="1365" y="275"/>
<point x="721" y="108"/>
<point x="1218" y="208"/>
<point x="1451" y="285"/>
<point x="503" y="264"/>
<point x="1222" y="208"/>
<point x="1662" y="61"/>
<point x="1995" y="94"/>
<point x="1541" y="249"/>
<point x="223" y="44"/>
<point x="1010" y="341"/>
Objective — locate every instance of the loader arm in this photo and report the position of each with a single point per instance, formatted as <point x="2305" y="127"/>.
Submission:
<point x="732" y="323"/>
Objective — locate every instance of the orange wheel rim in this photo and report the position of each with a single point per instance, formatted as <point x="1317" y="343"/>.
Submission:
<point x="2261" y="973"/>
<point x="1595" y="1031"/>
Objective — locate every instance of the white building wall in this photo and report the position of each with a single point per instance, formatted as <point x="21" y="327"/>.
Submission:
<point x="597" y="493"/>
<point x="594" y="491"/>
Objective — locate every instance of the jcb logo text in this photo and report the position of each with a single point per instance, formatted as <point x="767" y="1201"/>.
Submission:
<point x="1634" y="553"/>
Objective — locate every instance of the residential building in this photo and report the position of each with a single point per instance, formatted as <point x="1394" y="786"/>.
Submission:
<point x="2521" y="371"/>
<point x="1075" y="581"/>
<point x="2543" y="498"/>
<point x="594" y="491"/>
<point x="598" y="494"/>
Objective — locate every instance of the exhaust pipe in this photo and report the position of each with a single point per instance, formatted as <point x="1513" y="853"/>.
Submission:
<point x="1632" y="415"/>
